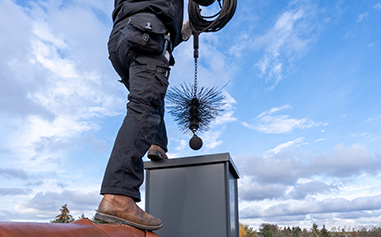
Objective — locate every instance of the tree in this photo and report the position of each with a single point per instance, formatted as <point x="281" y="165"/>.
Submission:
<point x="269" y="230"/>
<point x="64" y="217"/>
<point x="242" y="232"/>
<point x="305" y="233"/>
<point x="246" y="231"/>
<point x="286" y="232"/>
<point x="296" y="231"/>
<point x="324" y="232"/>
<point x="315" y="231"/>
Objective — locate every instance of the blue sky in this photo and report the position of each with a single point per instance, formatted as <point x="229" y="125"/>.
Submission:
<point x="301" y="122"/>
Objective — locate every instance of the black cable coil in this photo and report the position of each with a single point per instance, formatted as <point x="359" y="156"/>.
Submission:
<point x="201" y="23"/>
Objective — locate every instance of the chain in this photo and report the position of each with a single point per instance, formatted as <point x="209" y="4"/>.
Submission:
<point x="195" y="55"/>
<point x="195" y="78"/>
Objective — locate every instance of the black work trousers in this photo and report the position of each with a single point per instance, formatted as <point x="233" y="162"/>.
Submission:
<point x="146" y="78"/>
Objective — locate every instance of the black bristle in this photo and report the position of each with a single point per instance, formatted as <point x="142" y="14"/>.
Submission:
<point x="194" y="111"/>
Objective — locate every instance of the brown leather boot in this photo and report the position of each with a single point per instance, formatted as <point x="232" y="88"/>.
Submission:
<point x="123" y="209"/>
<point x="155" y="153"/>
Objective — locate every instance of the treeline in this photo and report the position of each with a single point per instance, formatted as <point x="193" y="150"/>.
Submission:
<point x="270" y="230"/>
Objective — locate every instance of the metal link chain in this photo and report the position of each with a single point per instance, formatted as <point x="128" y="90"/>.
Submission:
<point x="195" y="78"/>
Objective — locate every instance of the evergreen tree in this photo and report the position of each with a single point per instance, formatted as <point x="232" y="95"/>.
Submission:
<point x="296" y="231"/>
<point x="315" y="231"/>
<point x="305" y="233"/>
<point x="64" y="217"/>
<point x="269" y="230"/>
<point x="286" y="232"/>
<point x="324" y="232"/>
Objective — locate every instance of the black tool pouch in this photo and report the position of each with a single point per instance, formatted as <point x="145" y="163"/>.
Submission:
<point x="145" y="33"/>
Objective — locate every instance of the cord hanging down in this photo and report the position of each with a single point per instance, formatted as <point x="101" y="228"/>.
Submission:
<point x="194" y="109"/>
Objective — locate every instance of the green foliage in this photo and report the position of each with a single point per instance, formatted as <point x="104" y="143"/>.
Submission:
<point x="95" y="221"/>
<point x="296" y="231"/>
<point x="315" y="230"/>
<point x="271" y="230"/>
<point x="64" y="217"/>
<point x="324" y="232"/>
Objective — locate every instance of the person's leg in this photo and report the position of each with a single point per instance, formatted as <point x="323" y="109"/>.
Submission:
<point x="159" y="146"/>
<point x="148" y="82"/>
<point x="161" y="137"/>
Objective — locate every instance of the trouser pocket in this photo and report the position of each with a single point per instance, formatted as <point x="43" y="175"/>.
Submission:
<point x="145" y="33"/>
<point x="148" y="80"/>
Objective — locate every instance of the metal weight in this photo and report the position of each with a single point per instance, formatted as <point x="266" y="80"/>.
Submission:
<point x="195" y="142"/>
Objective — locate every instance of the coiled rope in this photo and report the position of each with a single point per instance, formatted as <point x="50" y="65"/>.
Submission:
<point x="200" y="23"/>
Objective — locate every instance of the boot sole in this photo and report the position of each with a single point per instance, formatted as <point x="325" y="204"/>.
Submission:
<point x="118" y="220"/>
<point x="154" y="155"/>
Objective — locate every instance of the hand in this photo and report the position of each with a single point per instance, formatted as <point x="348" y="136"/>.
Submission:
<point x="186" y="30"/>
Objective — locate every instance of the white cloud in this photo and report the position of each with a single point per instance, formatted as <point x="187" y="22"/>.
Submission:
<point x="243" y="43"/>
<point x="225" y="118"/>
<point x="362" y="16"/>
<point x="289" y="166"/>
<point x="215" y="68"/>
<point x="320" y="139"/>
<point x="275" y="39"/>
<point x="48" y="56"/>
<point x="306" y="207"/>
<point x="210" y="139"/>
<point x="377" y="6"/>
<point x="375" y="118"/>
<point x="14" y="191"/>
<point x="308" y="187"/>
<point x="278" y="148"/>
<point x="227" y="115"/>
<point x="273" y="110"/>
<point x="57" y="87"/>
<point x="251" y="190"/>
<point x="371" y="45"/>
<point x="46" y="205"/>
<point x="266" y="122"/>
<point x="12" y="173"/>
<point x="285" y="42"/>
<point x="60" y="78"/>
<point x="346" y="161"/>
<point x="302" y="190"/>
<point x="182" y="145"/>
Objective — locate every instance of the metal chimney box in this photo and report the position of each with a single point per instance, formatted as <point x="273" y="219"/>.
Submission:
<point x="194" y="196"/>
